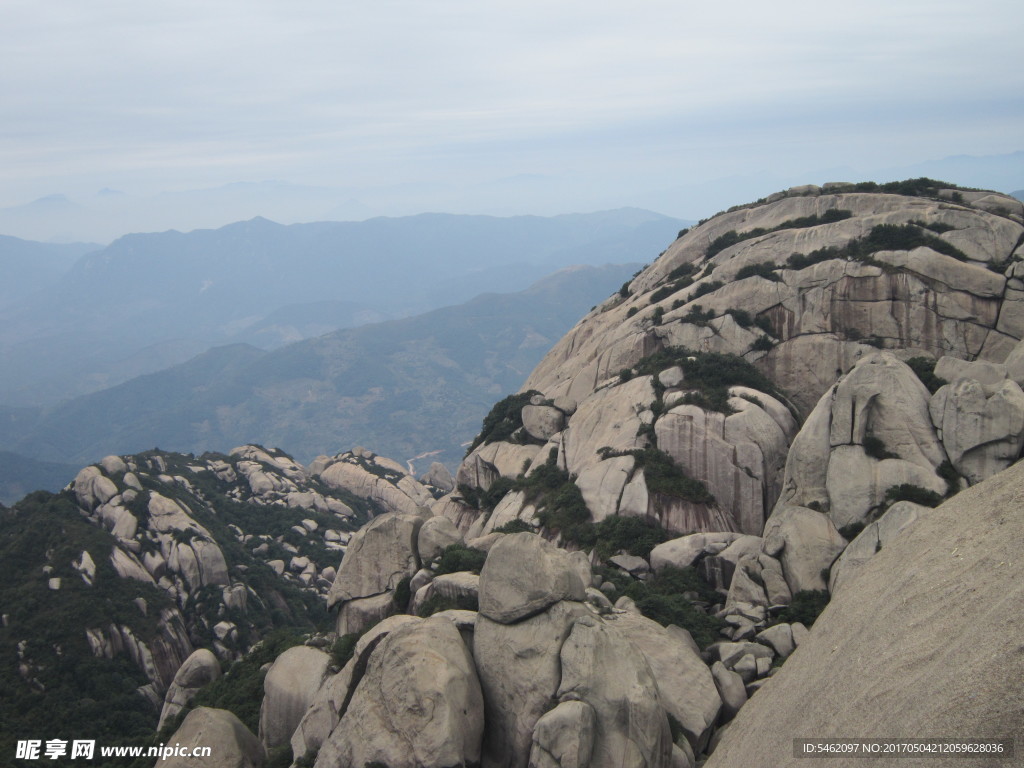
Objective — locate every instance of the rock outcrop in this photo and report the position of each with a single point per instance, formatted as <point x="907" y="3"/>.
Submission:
<point x="231" y="744"/>
<point x="419" y="704"/>
<point x="925" y="632"/>
<point x="805" y="286"/>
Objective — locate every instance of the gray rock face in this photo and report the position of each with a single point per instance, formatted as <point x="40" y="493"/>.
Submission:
<point x="288" y="689"/>
<point x="780" y="638"/>
<point x="730" y="688"/>
<point x="395" y="490"/>
<point x="458" y="586"/>
<point x="806" y="542"/>
<point x="871" y="540"/>
<point x="685" y="685"/>
<point x="419" y="704"/>
<point x="356" y="616"/>
<point x="828" y="466"/>
<point x="524" y="575"/>
<point x="982" y="427"/>
<point x="916" y="633"/>
<point x="379" y="556"/>
<point x="602" y="668"/>
<point x="199" y="669"/>
<point x="439" y="476"/>
<point x="519" y="672"/>
<point x="323" y="713"/>
<point x="683" y="551"/>
<point x="564" y="737"/>
<point x="543" y="421"/>
<point x="434" y="536"/>
<point x="739" y="457"/>
<point x="233" y="745"/>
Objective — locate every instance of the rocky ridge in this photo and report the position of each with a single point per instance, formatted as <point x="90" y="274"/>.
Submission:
<point x="174" y="565"/>
<point x="783" y="298"/>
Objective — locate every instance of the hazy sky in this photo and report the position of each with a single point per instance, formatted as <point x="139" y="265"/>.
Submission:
<point x="481" y="105"/>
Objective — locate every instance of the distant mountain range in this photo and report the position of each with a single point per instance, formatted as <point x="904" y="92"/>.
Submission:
<point x="418" y="385"/>
<point x="150" y="301"/>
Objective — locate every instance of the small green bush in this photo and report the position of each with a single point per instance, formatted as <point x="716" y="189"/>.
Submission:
<point x="402" y="594"/>
<point x="505" y="417"/>
<point x="948" y="472"/>
<point x="279" y="756"/>
<point x="634" y="535"/>
<point x="924" y="367"/>
<point x="437" y="603"/>
<point x="662" y="475"/>
<point x="343" y="649"/>
<point x="706" y="288"/>
<point x="741" y="316"/>
<point x="697" y="315"/>
<point x="683" y="270"/>
<point x="765" y="324"/>
<point x="914" y="493"/>
<point x="459" y="557"/>
<point x="515" y="526"/>
<point x="764" y="269"/>
<point x="763" y="344"/>
<point x="851" y="531"/>
<point x="632" y="311"/>
<point x="875" y="448"/>
<point x="805" y="607"/>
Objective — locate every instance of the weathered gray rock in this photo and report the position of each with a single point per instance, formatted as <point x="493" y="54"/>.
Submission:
<point x="355" y="616"/>
<point x="564" y="737"/>
<point x="880" y="398"/>
<point x="740" y="457"/>
<point x="93" y="488"/>
<point x="747" y="587"/>
<point x="323" y="713"/>
<point x="685" y="685"/>
<point x="523" y="575"/>
<point x="683" y="551"/>
<point x="379" y="556"/>
<point x="460" y="587"/>
<point x="519" y="672"/>
<point x="982" y="427"/>
<point x="400" y="494"/>
<point x="419" y="704"/>
<point x="730" y="653"/>
<point x="731" y="689"/>
<point x="780" y="638"/>
<point x="806" y="542"/>
<point x="989" y="375"/>
<point x="776" y="588"/>
<point x="900" y="516"/>
<point x="288" y="690"/>
<point x="233" y="745"/>
<point x="199" y="669"/>
<point x="916" y="633"/>
<point x="439" y="477"/>
<point x="543" y="421"/>
<point x="602" y="667"/>
<point x="631" y="564"/>
<point x="435" y="535"/>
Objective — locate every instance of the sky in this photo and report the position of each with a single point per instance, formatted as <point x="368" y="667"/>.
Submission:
<point x="194" y="113"/>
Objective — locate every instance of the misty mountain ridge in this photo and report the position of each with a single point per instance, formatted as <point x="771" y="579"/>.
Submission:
<point x="166" y="297"/>
<point x="408" y="387"/>
<point x="107" y="214"/>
